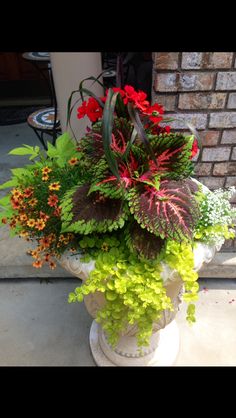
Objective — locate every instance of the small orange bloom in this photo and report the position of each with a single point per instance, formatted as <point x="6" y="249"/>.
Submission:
<point x="23" y="217"/>
<point x="45" y="177"/>
<point x="33" y="202"/>
<point x="57" y="212"/>
<point x="24" y="234"/>
<point x="23" y="207"/>
<point x="31" y="223"/>
<point x="52" y="265"/>
<point x="15" y="203"/>
<point x="53" y="200"/>
<point x="46" y="170"/>
<point x="28" y="192"/>
<point x="12" y="223"/>
<point x="37" y="264"/>
<point x="40" y="224"/>
<point x="52" y="237"/>
<point x="45" y="242"/>
<point x="43" y="216"/>
<point x="35" y="254"/>
<point x="16" y="193"/>
<point x="4" y="220"/>
<point x="54" y="186"/>
<point x="47" y="257"/>
<point x="73" y="161"/>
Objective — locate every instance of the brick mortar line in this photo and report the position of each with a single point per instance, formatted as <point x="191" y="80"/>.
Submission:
<point x="205" y="111"/>
<point x="180" y="56"/>
<point x="220" y="137"/>
<point x="197" y="70"/>
<point x="215" y="80"/>
<point x="231" y="154"/>
<point x="208" y="121"/>
<point x="226" y="101"/>
<point x="194" y="91"/>
<point x="233" y="60"/>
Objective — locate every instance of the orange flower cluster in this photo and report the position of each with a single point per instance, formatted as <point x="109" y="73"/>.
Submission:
<point x="45" y="249"/>
<point x="45" y="173"/>
<point x="34" y="223"/>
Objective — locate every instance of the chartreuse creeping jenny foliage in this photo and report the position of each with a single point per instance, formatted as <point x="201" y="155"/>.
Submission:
<point x="123" y="197"/>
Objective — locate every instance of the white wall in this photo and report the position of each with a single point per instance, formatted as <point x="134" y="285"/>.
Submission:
<point x="69" y="68"/>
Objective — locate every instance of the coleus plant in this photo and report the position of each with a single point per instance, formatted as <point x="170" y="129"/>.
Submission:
<point x="139" y="170"/>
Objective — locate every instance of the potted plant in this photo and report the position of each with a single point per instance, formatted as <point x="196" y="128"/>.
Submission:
<point x="119" y="209"/>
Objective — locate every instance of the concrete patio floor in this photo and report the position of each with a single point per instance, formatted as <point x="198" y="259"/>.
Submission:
<point x="39" y="328"/>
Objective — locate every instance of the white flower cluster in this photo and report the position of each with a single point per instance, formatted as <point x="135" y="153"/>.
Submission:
<point x="216" y="208"/>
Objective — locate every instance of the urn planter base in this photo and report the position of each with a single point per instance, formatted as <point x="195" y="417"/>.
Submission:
<point x="163" y="349"/>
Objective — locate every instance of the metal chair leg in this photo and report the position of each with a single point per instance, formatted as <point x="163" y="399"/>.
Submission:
<point x="40" y="137"/>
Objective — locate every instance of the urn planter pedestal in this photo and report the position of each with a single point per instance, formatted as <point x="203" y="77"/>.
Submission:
<point x="164" y="343"/>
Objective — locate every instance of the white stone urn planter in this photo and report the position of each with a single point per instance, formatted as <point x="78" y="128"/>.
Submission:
<point x="164" y="342"/>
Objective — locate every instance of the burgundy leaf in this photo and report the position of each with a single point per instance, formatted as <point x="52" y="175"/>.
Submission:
<point x="171" y="211"/>
<point x="95" y="206"/>
<point x="146" y="244"/>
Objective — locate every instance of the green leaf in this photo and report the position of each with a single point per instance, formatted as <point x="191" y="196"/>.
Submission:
<point x="64" y="142"/>
<point x="107" y="125"/>
<point x="91" y="94"/>
<point x="95" y="79"/>
<point x="9" y="183"/>
<point x="51" y="150"/>
<point x="195" y="134"/>
<point x="72" y="298"/>
<point x="26" y="150"/>
<point x="5" y="201"/>
<point x="134" y="115"/>
<point x="19" y="172"/>
<point x="63" y="150"/>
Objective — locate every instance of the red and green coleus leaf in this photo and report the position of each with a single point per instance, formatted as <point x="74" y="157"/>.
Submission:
<point x="108" y="184"/>
<point x="85" y="213"/>
<point x="92" y="142"/>
<point x="144" y="242"/>
<point x="173" y="155"/>
<point x="171" y="211"/>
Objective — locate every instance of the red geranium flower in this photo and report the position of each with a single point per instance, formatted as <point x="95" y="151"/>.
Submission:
<point x="194" y="148"/>
<point x="94" y="110"/>
<point x="82" y="110"/>
<point x="91" y="108"/>
<point x="117" y="89"/>
<point x="155" y="111"/>
<point x="138" y="98"/>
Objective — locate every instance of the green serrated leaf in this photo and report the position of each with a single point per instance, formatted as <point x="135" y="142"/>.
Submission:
<point x="10" y="183"/>
<point x="22" y="151"/>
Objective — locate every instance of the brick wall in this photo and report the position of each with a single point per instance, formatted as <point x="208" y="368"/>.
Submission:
<point x="201" y="88"/>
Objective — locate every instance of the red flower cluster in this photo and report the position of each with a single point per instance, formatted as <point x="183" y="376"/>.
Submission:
<point x="93" y="110"/>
